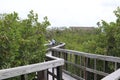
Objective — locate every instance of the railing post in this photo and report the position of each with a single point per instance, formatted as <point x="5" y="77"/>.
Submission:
<point x="59" y="73"/>
<point x="42" y="75"/>
<point x="76" y="62"/>
<point x="24" y="77"/>
<point x="53" y="71"/>
<point x="115" y="66"/>
<point x="59" y="55"/>
<point x="95" y="75"/>
<point x="86" y="67"/>
<point x="53" y="54"/>
<point x="80" y="65"/>
<point x="106" y="66"/>
<point x="66" y="58"/>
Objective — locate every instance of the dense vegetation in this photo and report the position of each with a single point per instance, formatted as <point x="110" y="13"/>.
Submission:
<point x="105" y="39"/>
<point x="21" y="41"/>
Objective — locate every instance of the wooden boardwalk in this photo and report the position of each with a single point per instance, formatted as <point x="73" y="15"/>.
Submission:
<point x="65" y="76"/>
<point x="64" y="64"/>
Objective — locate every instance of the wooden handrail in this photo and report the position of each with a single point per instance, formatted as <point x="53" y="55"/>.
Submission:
<point x="113" y="76"/>
<point x="21" y="70"/>
<point x="71" y="59"/>
<point x="89" y="55"/>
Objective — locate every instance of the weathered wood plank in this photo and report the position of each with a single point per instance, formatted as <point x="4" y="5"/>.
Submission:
<point x="73" y="75"/>
<point x="88" y="69"/>
<point x="12" y="72"/>
<point x="113" y="76"/>
<point x="89" y="55"/>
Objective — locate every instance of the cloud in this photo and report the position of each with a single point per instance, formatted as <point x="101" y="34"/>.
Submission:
<point x="64" y="12"/>
<point x="110" y="3"/>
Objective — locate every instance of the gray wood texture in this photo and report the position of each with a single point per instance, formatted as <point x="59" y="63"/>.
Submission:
<point x="89" y="55"/>
<point x="113" y="76"/>
<point x="12" y="72"/>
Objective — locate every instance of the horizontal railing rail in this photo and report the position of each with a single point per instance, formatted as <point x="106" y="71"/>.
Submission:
<point x="113" y="76"/>
<point x="21" y="70"/>
<point x="83" y="65"/>
<point x="60" y="45"/>
<point x="89" y="55"/>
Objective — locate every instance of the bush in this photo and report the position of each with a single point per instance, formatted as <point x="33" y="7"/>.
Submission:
<point x="21" y="41"/>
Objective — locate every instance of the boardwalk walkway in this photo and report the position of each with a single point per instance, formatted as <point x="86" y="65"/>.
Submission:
<point x="65" y="76"/>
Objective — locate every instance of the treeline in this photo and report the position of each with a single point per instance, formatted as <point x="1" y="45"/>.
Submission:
<point x="104" y="39"/>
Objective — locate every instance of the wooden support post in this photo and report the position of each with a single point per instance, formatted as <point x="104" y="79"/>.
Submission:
<point x="95" y="75"/>
<point x="106" y="66"/>
<point x="53" y="73"/>
<point x="81" y="65"/>
<point x="66" y="59"/>
<point x="23" y="77"/>
<point x="115" y="66"/>
<point x="42" y="75"/>
<point x="53" y="54"/>
<point x="47" y="77"/>
<point x="59" y="73"/>
<point x="76" y="62"/>
<point x="59" y="55"/>
<point x="85" y="68"/>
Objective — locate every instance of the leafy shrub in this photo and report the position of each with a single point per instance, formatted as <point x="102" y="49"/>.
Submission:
<point x="21" y="41"/>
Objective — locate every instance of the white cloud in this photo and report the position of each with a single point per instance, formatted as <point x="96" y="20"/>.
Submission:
<point x="64" y="12"/>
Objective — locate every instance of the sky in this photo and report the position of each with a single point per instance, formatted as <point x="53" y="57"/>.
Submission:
<point x="64" y="12"/>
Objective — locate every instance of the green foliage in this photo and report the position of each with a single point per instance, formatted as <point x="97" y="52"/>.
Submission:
<point x="108" y="39"/>
<point x="103" y="40"/>
<point x="22" y="41"/>
<point x="74" y="39"/>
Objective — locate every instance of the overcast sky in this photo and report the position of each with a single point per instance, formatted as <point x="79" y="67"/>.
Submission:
<point x="64" y="12"/>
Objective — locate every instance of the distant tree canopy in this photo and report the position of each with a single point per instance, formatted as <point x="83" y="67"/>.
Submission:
<point x="21" y="41"/>
<point x="105" y="39"/>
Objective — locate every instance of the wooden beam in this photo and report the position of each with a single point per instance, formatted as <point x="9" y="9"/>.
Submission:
<point x="113" y="76"/>
<point x="21" y="70"/>
<point x="89" y="55"/>
<point x="88" y="69"/>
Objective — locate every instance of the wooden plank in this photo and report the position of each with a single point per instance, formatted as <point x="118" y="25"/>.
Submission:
<point x="12" y="72"/>
<point x="73" y="75"/>
<point x="89" y="55"/>
<point x="88" y="69"/>
<point x="113" y="76"/>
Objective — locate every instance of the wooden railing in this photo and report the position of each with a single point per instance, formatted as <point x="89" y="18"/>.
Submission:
<point x="113" y="76"/>
<point x="86" y="66"/>
<point x="80" y="65"/>
<point x="40" y="68"/>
